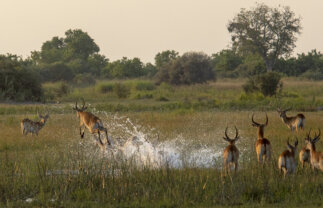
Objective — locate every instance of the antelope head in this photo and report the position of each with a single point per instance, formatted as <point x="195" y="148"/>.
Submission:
<point x="261" y="127"/>
<point x="228" y="139"/>
<point x="311" y="142"/>
<point x="78" y="110"/>
<point x="282" y="113"/>
<point x="291" y="147"/>
<point x="44" y="118"/>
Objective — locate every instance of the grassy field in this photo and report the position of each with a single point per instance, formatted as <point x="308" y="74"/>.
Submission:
<point x="183" y="124"/>
<point x="58" y="169"/>
<point x="223" y="95"/>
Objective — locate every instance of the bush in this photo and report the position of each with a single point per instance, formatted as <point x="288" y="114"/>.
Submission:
<point x="144" y="96"/>
<point x="145" y="85"/>
<point x="17" y="81"/>
<point x="162" y="98"/>
<point x="268" y="84"/>
<point x="56" y="90"/>
<point x="83" y="80"/>
<point x="105" y="87"/>
<point x="313" y="75"/>
<point x="121" y="90"/>
<point x="188" y="69"/>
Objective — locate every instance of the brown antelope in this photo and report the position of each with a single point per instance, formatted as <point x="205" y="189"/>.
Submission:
<point x="305" y="154"/>
<point x="263" y="147"/>
<point x="316" y="158"/>
<point x="91" y="122"/>
<point x="33" y="127"/>
<point x="294" y="122"/>
<point x="231" y="153"/>
<point x="286" y="161"/>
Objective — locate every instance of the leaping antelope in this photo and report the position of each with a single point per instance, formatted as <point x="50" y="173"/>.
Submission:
<point x="33" y="127"/>
<point x="263" y="147"/>
<point x="231" y="153"/>
<point x="305" y="154"/>
<point x="293" y="122"/>
<point x="316" y="157"/>
<point x="286" y="161"/>
<point x="92" y="123"/>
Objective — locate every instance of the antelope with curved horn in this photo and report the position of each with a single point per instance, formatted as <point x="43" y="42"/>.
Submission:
<point x="286" y="161"/>
<point x="263" y="146"/>
<point x="33" y="127"/>
<point x="316" y="157"/>
<point x="305" y="153"/>
<point x="231" y="153"/>
<point x="91" y="122"/>
<point x="294" y="122"/>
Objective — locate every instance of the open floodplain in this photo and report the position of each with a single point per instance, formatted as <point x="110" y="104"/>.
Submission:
<point x="157" y="159"/>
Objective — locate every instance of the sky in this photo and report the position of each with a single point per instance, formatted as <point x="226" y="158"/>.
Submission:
<point x="141" y="28"/>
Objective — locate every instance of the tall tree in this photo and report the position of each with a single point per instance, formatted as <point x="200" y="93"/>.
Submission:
<point x="269" y="31"/>
<point x="79" y="45"/>
<point x="165" y="57"/>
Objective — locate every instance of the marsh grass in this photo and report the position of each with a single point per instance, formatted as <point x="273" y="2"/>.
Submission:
<point x="58" y="169"/>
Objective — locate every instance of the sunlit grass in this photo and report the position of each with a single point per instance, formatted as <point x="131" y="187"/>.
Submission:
<point x="59" y="169"/>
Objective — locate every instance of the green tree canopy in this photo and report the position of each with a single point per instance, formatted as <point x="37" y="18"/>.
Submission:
<point x="165" y="57"/>
<point x="18" y="81"/>
<point x="191" y="67"/>
<point x="271" y="32"/>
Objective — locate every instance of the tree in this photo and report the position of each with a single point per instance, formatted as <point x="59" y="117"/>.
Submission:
<point x="79" y="44"/>
<point x="165" y="57"/>
<point x="225" y="62"/>
<point x="124" y="68"/>
<point x="18" y="81"/>
<point x="96" y="63"/>
<point x="190" y="68"/>
<point x="271" y="32"/>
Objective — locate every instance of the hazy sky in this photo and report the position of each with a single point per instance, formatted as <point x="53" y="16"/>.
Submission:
<point x="141" y="28"/>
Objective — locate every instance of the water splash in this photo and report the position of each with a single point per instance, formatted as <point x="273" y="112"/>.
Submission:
<point x="143" y="148"/>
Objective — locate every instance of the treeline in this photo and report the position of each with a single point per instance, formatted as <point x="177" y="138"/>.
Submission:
<point x="75" y="58"/>
<point x="231" y="64"/>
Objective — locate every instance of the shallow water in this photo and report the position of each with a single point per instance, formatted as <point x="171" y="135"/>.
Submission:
<point x="141" y="147"/>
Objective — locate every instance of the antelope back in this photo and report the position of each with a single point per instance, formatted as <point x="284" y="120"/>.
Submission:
<point x="88" y="118"/>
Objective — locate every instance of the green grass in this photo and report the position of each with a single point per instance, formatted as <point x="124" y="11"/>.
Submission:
<point x="223" y="95"/>
<point x="58" y="169"/>
<point x="91" y="180"/>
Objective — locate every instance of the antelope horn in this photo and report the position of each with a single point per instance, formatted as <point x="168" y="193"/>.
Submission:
<point x="288" y="143"/>
<point x="266" y="119"/>
<point x="226" y="137"/>
<point x="253" y="121"/>
<point x="308" y="135"/>
<point x="317" y="137"/>
<point x="75" y="108"/>
<point x="237" y="134"/>
<point x="226" y="134"/>
<point x="296" y="143"/>
<point x="83" y="102"/>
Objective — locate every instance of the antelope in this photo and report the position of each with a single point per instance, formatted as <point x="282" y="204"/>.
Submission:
<point x="316" y="158"/>
<point x="91" y="122"/>
<point x="263" y="147"/>
<point x="305" y="154"/>
<point x="293" y="122"/>
<point x="286" y="160"/>
<point x="33" y="127"/>
<point x="231" y="153"/>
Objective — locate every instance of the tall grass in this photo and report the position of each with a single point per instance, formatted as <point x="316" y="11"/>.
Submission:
<point x="58" y="169"/>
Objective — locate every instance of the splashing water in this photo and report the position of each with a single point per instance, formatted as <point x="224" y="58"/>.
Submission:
<point x="178" y="152"/>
